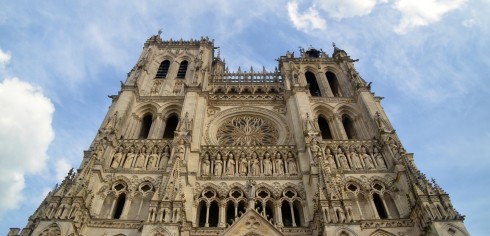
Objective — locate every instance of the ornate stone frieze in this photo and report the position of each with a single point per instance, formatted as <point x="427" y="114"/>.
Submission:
<point x="375" y="224"/>
<point x="121" y="224"/>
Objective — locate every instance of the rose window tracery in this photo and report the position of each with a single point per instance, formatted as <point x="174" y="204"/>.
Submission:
<point x="247" y="131"/>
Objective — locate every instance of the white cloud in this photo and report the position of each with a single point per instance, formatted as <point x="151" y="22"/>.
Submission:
<point x="62" y="168"/>
<point x="339" y="9"/>
<point x="25" y="134"/>
<point x="417" y="13"/>
<point x="468" y="23"/>
<point x="4" y="58"/>
<point x="308" y="21"/>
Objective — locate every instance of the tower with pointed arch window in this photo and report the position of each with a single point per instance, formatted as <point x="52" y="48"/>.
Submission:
<point x="189" y="147"/>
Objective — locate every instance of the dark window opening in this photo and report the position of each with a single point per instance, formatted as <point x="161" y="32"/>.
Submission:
<point x="296" y="209"/>
<point x="334" y="83"/>
<point x="170" y="126"/>
<point x="269" y="213"/>
<point x="182" y="70"/>
<point x="230" y="213"/>
<point x="121" y="200"/>
<point x="162" y="70"/>
<point x="213" y="214"/>
<point x="145" y="126"/>
<point x="324" y="128"/>
<point x="348" y="126"/>
<point x="313" y="84"/>
<point x="287" y="218"/>
<point x="380" y="208"/>
<point x="202" y="214"/>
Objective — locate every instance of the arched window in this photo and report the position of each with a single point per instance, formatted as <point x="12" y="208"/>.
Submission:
<point x="348" y="126"/>
<point x="291" y="211"/>
<point x="334" y="83"/>
<point x="313" y="84"/>
<point x="201" y="214"/>
<point x="163" y="70"/>
<point x="213" y="214"/>
<point x="170" y="126"/>
<point x="182" y="70"/>
<point x="380" y="208"/>
<point x="145" y="126"/>
<point x="121" y="201"/>
<point x="324" y="128"/>
<point x="208" y="214"/>
<point x="287" y="217"/>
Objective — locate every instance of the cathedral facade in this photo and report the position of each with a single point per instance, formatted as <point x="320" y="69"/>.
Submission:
<point x="191" y="148"/>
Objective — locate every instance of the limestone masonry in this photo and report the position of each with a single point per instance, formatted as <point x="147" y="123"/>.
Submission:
<point x="191" y="148"/>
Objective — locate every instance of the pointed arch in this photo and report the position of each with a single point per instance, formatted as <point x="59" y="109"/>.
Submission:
<point x="381" y="232"/>
<point x="348" y="124"/>
<point x="51" y="230"/>
<point x="333" y="83"/>
<point x="170" y="126"/>
<point x="146" y="123"/>
<point x="325" y="129"/>
<point x="182" y="69"/>
<point x="163" y="70"/>
<point x="313" y="84"/>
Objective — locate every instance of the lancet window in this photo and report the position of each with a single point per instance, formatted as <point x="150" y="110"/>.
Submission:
<point x="235" y="205"/>
<point x="114" y="202"/>
<point x="291" y="209"/>
<point x="170" y="126"/>
<point x="208" y="209"/>
<point x="140" y="202"/>
<point x="264" y="204"/>
<point x="313" y="84"/>
<point x="333" y="83"/>
<point x="324" y="128"/>
<point x="348" y="124"/>
<point x="182" y="70"/>
<point x="146" y="123"/>
<point x="163" y="70"/>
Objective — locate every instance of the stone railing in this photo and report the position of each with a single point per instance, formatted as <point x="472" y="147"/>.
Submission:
<point x="247" y="77"/>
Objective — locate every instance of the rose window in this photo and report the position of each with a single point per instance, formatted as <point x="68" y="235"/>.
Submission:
<point x="247" y="131"/>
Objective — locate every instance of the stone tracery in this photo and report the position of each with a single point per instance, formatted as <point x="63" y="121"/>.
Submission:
<point x="247" y="131"/>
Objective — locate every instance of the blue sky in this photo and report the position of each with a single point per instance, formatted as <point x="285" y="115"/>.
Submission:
<point x="429" y="58"/>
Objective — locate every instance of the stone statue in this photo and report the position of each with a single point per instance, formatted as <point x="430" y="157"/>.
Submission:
<point x="368" y="162"/>
<point x="255" y="165"/>
<point x="140" y="160"/>
<point x="355" y="161"/>
<point x="292" y="167"/>
<point x="243" y="164"/>
<point x="218" y="165"/>
<point x="342" y="159"/>
<point x="267" y="164"/>
<point x="130" y="158"/>
<point x="118" y="157"/>
<point x="112" y="121"/>
<point x="379" y="158"/>
<point x="165" y="157"/>
<point x="153" y="159"/>
<point x="231" y="165"/>
<point x="330" y="159"/>
<point x="316" y="151"/>
<point x="279" y="164"/>
<point x="205" y="165"/>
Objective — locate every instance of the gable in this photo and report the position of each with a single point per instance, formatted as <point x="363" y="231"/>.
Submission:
<point x="252" y="224"/>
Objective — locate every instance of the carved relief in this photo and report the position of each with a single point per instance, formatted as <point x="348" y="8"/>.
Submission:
<point x="247" y="131"/>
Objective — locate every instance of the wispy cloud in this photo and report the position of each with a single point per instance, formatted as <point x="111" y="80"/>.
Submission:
<point x="306" y="21"/>
<point x="339" y="9"/>
<point x="416" y="13"/>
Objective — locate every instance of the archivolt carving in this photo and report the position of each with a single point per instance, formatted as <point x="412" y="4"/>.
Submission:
<point x="247" y="131"/>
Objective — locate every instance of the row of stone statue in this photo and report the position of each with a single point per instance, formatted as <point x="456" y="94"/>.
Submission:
<point x="250" y="164"/>
<point x="349" y="158"/>
<point x="142" y="158"/>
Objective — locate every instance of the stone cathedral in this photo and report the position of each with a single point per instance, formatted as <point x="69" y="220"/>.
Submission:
<point x="189" y="147"/>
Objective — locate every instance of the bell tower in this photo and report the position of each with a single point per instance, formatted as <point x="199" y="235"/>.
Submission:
<point x="189" y="147"/>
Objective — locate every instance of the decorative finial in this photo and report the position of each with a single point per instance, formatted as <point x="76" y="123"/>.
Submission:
<point x="333" y="44"/>
<point x="160" y="31"/>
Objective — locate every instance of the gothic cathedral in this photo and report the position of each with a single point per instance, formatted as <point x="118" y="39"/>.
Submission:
<point x="191" y="148"/>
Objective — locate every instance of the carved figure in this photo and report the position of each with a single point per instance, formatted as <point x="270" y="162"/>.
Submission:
<point x="355" y="161"/>
<point x="255" y="165"/>
<point x="165" y="157"/>
<point x="342" y="159"/>
<point x="368" y="162"/>
<point x="231" y="165"/>
<point x="130" y="158"/>
<point x="205" y="165"/>
<point x="267" y="164"/>
<point x="118" y="157"/>
<point x="112" y="121"/>
<point x="218" y="165"/>
<point x="379" y="158"/>
<point x="330" y="159"/>
<point x="279" y="164"/>
<point x="292" y="167"/>
<point x="140" y="160"/>
<point x="153" y="158"/>
<point x="316" y="151"/>
<point x="243" y="164"/>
